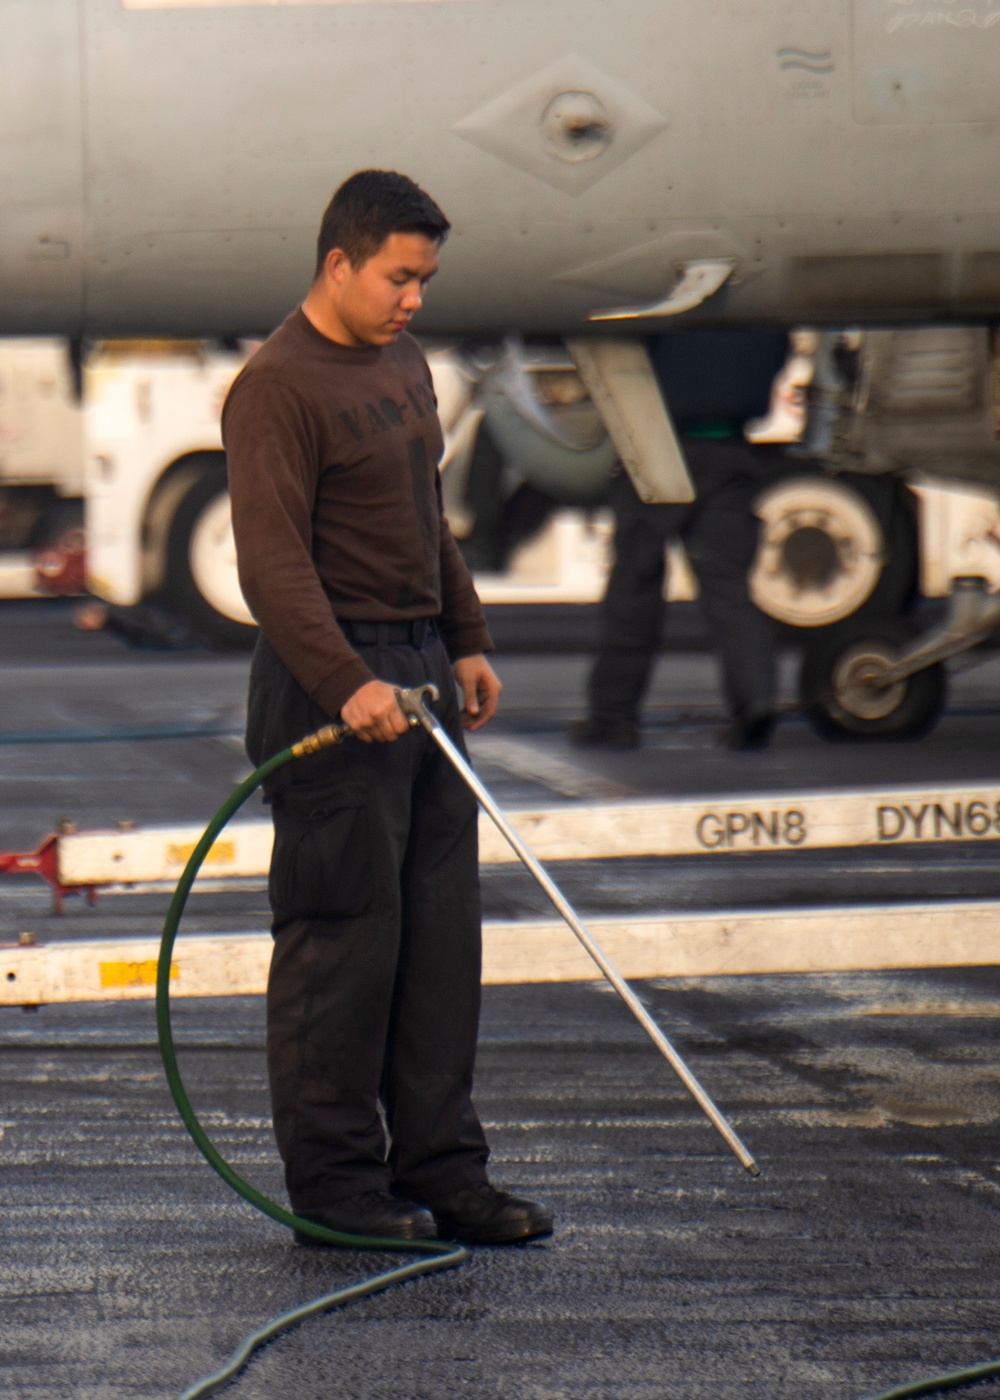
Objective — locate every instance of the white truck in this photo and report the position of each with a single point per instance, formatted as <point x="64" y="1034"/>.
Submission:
<point x="112" y="477"/>
<point x="157" y="507"/>
<point x="122" y="490"/>
<point x="41" y="470"/>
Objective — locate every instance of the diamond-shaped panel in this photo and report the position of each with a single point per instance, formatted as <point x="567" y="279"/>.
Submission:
<point x="518" y="126"/>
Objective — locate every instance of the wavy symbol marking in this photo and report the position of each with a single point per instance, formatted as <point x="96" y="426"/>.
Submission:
<point x="808" y="62"/>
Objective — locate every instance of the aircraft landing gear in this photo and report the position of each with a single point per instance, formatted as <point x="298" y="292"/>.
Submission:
<point x="848" y="690"/>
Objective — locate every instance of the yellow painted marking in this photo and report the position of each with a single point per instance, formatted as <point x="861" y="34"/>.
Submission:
<point x="100" y="587"/>
<point x="133" y="974"/>
<point x="222" y="853"/>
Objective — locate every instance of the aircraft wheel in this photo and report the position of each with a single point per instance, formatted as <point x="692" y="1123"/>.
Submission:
<point x="832" y="546"/>
<point x="202" y="581"/>
<point x="841" y="693"/>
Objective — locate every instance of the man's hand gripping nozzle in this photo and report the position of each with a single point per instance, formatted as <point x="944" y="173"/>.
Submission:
<point x="413" y="704"/>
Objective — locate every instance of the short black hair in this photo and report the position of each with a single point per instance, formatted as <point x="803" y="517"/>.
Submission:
<point x="371" y="205"/>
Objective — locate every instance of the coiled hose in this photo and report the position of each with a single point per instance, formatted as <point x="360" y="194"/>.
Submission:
<point x="437" y="1254"/>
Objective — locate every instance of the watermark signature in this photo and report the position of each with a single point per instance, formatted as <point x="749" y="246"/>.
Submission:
<point x="947" y="14"/>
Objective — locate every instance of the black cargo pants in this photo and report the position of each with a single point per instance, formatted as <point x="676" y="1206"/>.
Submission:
<point x="373" y="996"/>
<point x="719" y="531"/>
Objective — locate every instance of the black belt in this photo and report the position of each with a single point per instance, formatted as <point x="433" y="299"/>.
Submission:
<point x="387" y="634"/>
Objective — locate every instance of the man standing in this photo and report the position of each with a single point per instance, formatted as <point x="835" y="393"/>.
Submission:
<point x="713" y="381"/>
<point x="346" y="561"/>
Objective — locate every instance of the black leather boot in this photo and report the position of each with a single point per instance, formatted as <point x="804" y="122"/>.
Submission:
<point x="372" y="1213"/>
<point x="604" y="734"/>
<point x="747" y="732"/>
<point x="481" y="1214"/>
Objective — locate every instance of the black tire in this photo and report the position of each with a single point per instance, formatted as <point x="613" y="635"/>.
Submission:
<point x="837" y="709"/>
<point x="895" y="505"/>
<point x="184" y="595"/>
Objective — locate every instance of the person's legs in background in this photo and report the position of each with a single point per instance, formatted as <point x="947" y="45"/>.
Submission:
<point x="719" y="531"/>
<point x="632" y="614"/>
<point x="721" y="542"/>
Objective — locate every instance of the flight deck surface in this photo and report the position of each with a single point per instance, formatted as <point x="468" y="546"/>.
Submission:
<point x="865" y="1255"/>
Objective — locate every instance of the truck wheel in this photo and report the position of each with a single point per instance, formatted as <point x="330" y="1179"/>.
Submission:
<point x="202" y="583"/>
<point x="840" y="691"/>
<point x="832" y="546"/>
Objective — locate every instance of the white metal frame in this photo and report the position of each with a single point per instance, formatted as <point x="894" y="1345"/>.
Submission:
<point x="727" y="943"/>
<point x="689" y="826"/>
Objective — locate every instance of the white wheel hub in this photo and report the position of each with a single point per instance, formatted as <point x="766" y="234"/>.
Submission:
<point x="212" y="557"/>
<point x="859" y="686"/>
<point x="821" y="553"/>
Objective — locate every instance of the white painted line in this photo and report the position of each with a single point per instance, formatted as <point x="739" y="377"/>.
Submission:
<point x="592" y="831"/>
<point x="728" y="943"/>
<point x="526" y="758"/>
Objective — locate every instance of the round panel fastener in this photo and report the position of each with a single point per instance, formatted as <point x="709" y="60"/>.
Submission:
<point x="576" y="127"/>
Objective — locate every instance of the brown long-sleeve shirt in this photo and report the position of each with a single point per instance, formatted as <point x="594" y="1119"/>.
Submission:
<point x="332" y="454"/>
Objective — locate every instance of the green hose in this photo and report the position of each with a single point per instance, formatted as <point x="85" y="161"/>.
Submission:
<point x="440" y="1254"/>
<point x="937" y="1385"/>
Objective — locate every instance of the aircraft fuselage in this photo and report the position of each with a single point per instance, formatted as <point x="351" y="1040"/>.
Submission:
<point x="164" y="163"/>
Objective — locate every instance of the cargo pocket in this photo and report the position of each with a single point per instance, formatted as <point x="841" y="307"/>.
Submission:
<point x="322" y="865"/>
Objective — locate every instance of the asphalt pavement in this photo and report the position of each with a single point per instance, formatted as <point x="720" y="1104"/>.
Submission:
<point x="865" y="1255"/>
